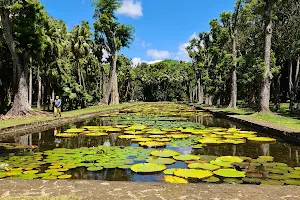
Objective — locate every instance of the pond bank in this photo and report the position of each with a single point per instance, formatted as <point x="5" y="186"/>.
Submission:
<point x="68" y="117"/>
<point x="146" y="191"/>
<point x="287" y="134"/>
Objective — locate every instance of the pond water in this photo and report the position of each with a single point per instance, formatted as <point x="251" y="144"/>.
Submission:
<point x="277" y="166"/>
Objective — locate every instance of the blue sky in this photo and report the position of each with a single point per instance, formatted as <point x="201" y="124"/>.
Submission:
<point x="163" y="27"/>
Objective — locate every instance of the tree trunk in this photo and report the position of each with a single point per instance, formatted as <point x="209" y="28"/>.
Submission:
<point x="291" y="95"/>
<point x="233" y="91"/>
<point x="112" y="73"/>
<point x="30" y="88"/>
<point x="267" y="75"/>
<point x="115" y="90"/>
<point x="296" y="82"/>
<point x="200" y="92"/>
<point x="39" y="97"/>
<point x="251" y="96"/>
<point x="277" y="93"/>
<point x="20" y="104"/>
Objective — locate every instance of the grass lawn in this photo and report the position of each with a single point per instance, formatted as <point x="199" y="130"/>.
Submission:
<point x="30" y="119"/>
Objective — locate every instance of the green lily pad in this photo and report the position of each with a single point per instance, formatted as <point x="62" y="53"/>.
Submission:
<point x="198" y="146"/>
<point x="49" y="177"/>
<point x="94" y="168"/>
<point x="156" y="132"/>
<point x="193" y="173"/>
<point x="178" y="136"/>
<point x="206" y="166"/>
<point x="211" y="179"/>
<point x="142" y="140"/>
<point x="232" y="173"/>
<point x="66" y="135"/>
<point x="292" y="182"/>
<point x="170" y="171"/>
<point x="232" y="181"/>
<point x="166" y="161"/>
<point x="266" y="158"/>
<point x="175" y="179"/>
<point x="130" y="136"/>
<point x="164" y="153"/>
<point x="125" y="166"/>
<point x="99" y="134"/>
<point x="277" y="171"/>
<point x="230" y="159"/>
<point x="153" y="144"/>
<point x="271" y="182"/>
<point x="186" y="157"/>
<point x="27" y="176"/>
<point x="54" y="166"/>
<point x="277" y="176"/>
<point x="64" y="176"/>
<point x="262" y="139"/>
<point x="293" y="176"/>
<point x="148" y="167"/>
<point x="74" y="130"/>
<point x="252" y="180"/>
<point x="31" y="172"/>
<point x="221" y="163"/>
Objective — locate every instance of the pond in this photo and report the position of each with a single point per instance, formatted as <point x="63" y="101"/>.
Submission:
<point x="155" y="142"/>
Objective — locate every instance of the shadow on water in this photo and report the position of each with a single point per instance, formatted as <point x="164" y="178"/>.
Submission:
<point x="282" y="152"/>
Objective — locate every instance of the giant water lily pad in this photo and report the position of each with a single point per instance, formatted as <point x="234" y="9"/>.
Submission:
<point x="175" y="179"/>
<point x="186" y="157"/>
<point x="164" y="153"/>
<point x="148" y="167"/>
<point x="221" y="163"/>
<point x="252" y="180"/>
<point x="292" y="182"/>
<point x="262" y="139"/>
<point x="232" y="181"/>
<point x="66" y="135"/>
<point x="232" y="173"/>
<point x="74" y="130"/>
<point x="211" y="179"/>
<point x="166" y="161"/>
<point x="31" y="172"/>
<point x="230" y="159"/>
<point x="170" y="171"/>
<point x="179" y="136"/>
<point x="94" y="168"/>
<point x="130" y="136"/>
<point x="153" y="144"/>
<point x="64" y="176"/>
<point x="193" y="173"/>
<point x="156" y="132"/>
<point x="98" y="134"/>
<point x="206" y="166"/>
<point x="211" y="141"/>
<point x="142" y="140"/>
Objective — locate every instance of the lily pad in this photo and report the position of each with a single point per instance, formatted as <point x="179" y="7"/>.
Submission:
<point x="292" y="182"/>
<point x="232" y="181"/>
<point x="96" y="134"/>
<point x="186" y="157"/>
<point x="193" y="173"/>
<point x="66" y="135"/>
<point x="94" y="168"/>
<point x="221" y="163"/>
<point x="198" y="146"/>
<point x="31" y="172"/>
<point x="148" y="167"/>
<point x="170" y="171"/>
<point x="211" y="179"/>
<point x="232" y="173"/>
<point x="64" y="176"/>
<point x="262" y="139"/>
<point x="175" y="179"/>
<point x="166" y="161"/>
<point x="130" y="136"/>
<point x="164" y="153"/>
<point x="153" y="144"/>
<point x="230" y="159"/>
<point x="252" y="180"/>
<point x="206" y="166"/>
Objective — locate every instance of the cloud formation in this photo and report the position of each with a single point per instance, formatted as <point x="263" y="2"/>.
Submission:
<point x="182" y="53"/>
<point x="137" y="61"/>
<point x="131" y="8"/>
<point x="158" y="54"/>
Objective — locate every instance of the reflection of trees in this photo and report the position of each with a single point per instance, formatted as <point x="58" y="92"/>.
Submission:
<point x="265" y="149"/>
<point x="297" y="156"/>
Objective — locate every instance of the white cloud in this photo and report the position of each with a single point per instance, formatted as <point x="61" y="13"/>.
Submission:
<point x="136" y="61"/>
<point x="131" y="8"/>
<point x="158" y="54"/>
<point x="105" y="55"/>
<point x="154" y="61"/>
<point x="182" y="53"/>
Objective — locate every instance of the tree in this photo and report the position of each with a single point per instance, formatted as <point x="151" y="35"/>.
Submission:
<point x="267" y="74"/>
<point x="21" y="14"/>
<point x="114" y="36"/>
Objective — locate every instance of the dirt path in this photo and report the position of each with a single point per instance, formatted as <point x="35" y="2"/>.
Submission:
<point x="146" y="191"/>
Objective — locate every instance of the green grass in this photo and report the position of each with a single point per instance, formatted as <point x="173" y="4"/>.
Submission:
<point x="278" y="120"/>
<point x="41" y="198"/>
<point x="30" y="119"/>
<point x="240" y="111"/>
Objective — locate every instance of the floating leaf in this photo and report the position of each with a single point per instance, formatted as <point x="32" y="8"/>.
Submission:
<point x="252" y="180"/>
<point x="232" y="181"/>
<point x="64" y="176"/>
<point x="170" y="171"/>
<point x="221" y="163"/>
<point x="292" y="182"/>
<point x="193" y="173"/>
<point x="152" y="144"/>
<point x="31" y="172"/>
<point x="230" y="159"/>
<point x="206" y="166"/>
<point x="130" y="136"/>
<point x="94" y="168"/>
<point x="186" y="157"/>
<point x="262" y="139"/>
<point x="66" y="135"/>
<point x="212" y="179"/>
<point x="175" y="179"/>
<point x="166" y="161"/>
<point x="148" y="167"/>
<point x="233" y="173"/>
<point x="164" y="153"/>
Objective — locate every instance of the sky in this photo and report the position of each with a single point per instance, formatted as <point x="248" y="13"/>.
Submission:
<point x="163" y="28"/>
